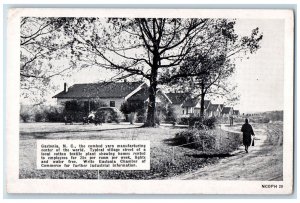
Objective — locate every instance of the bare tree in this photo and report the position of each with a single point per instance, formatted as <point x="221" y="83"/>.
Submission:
<point x="43" y="44"/>
<point x="217" y="63"/>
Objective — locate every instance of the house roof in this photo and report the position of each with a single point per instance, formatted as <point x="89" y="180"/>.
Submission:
<point x="206" y="103"/>
<point x="99" y="90"/>
<point x="213" y="107"/>
<point x="142" y="95"/>
<point x="190" y="102"/>
<point x="236" y="112"/>
<point x="226" y="110"/>
<point x="177" y="98"/>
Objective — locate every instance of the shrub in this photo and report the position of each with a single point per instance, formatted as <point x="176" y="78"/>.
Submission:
<point x="137" y="107"/>
<point x="265" y="120"/>
<point x="132" y="117"/>
<point x="108" y="115"/>
<point x="131" y="106"/>
<point x="160" y="114"/>
<point x="38" y="117"/>
<point x="210" y="122"/>
<point x="25" y="116"/>
<point x="197" y="139"/>
<point x="141" y="115"/>
<point x="25" y="113"/>
<point x="171" y="116"/>
<point x="198" y="122"/>
<point x="190" y="120"/>
<point x="54" y="114"/>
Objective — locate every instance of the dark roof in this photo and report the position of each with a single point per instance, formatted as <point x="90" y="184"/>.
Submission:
<point x="236" y="112"/>
<point x="213" y="107"/>
<point x="226" y="110"/>
<point x="178" y="98"/>
<point x="190" y="102"/>
<point x="140" y="95"/>
<point x="99" y="90"/>
<point x="206" y="103"/>
<point x="143" y="94"/>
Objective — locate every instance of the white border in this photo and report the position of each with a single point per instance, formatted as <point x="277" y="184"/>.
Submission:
<point x="16" y="185"/>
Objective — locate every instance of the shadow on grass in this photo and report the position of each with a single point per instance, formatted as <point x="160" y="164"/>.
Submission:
<point x="175" y="142"/>
<point x="206" y="156"/>
<point x="44" y="134"/>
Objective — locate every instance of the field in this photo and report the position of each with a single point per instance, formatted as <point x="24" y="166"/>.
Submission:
<point x="164" y="163"/>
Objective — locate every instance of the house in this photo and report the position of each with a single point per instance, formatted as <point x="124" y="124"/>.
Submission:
<point x="221" y="107"/>
<point x="189" y="106"/>
<point x="113" y="94"/>
<point x="197" y="109"/>
<point x="143" y="94"/>
<point x="227" y="111"/>
<point x="185" y="105"/>
<point x="236" y="112"/>
<point x="214" y="110"/>
<point x="177" y="101"/>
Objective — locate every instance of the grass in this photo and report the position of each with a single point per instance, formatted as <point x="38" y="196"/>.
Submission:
<point x="164" y="163"/>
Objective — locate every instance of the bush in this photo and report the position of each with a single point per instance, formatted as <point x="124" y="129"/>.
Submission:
<point x="197" y="139"/>
<point x="132" y="117"/>
<point x="131" y="106"/>
<point x="198" y="122"/>
<point x="141" y="116"/>
<point x="190" y="121"/>
<point x="76" y="111"/>
<point x="160" y="114"/>
<point x="25" y="116"/>
<point x="54" y="114"/>
<point x="210" y="122"/>
<point x="108" y="115"/>
<point x="171" y="116"/>
<point x="38" y="117"/>
<point x="265" y="120"/>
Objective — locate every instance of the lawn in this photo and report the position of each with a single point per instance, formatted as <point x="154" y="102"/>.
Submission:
<point x="164" y="163"/>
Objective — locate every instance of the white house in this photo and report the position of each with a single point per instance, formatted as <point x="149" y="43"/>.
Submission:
<point x="214" y="110"/>
<point x="113" y="94"/>
<point x="185" y="105"/>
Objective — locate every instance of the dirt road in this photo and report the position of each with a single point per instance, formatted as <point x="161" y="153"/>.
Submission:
<point x="263" y="162"/>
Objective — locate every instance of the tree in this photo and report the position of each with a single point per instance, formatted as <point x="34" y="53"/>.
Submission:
<point x="147" y="48"/>
<point x="217" y="62"/>
<point x="42" y="47"/>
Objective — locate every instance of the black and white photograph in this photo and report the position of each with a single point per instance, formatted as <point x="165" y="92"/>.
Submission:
<point x="183" y="96"/>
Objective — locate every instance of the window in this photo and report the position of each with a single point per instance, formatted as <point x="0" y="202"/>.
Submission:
<point x="182" y="111"/>
<point x="112" y="104"/>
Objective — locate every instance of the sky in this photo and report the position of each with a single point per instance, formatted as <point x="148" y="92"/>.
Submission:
<point x="259" y="79"/>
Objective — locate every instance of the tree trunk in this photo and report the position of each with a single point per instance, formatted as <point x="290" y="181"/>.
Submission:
<point x="202" y="103"/>
<point x="202" y="106"/>
<point x="150" y="121"/>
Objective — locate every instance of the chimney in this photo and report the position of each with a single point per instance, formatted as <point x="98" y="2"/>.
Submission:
<point x="65" y="87"/>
